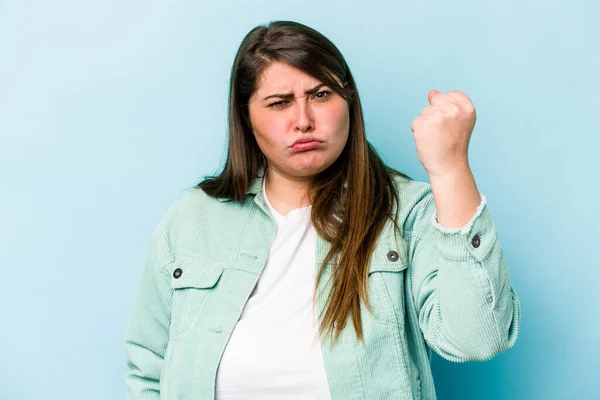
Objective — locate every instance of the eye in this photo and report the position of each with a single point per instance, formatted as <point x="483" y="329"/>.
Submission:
<point x="277" y="104"/>
<point x="323" y="94"/>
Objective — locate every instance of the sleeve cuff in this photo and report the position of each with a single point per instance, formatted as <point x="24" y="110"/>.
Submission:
<point x="465" y="229"/>
<point x="474" y="240"/>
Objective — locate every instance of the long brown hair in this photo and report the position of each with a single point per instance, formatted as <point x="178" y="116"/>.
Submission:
<point x="349" y="205"/>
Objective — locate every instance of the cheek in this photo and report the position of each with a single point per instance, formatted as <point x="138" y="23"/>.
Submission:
<point x="275" y="128"/>
<point x="270" y="131"/>
<point x="337" y="121"/>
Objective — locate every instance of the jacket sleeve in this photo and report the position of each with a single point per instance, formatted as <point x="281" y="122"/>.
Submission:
<point x="467" y="307"/>
<point x="146" y="335"/>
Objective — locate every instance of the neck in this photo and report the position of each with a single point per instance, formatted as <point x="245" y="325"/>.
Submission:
<point x="286" y="193"/>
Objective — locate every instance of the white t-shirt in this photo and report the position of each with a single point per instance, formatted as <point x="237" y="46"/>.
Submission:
<point x="274" y="352"/>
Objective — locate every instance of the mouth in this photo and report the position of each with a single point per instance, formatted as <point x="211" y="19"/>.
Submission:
<point x="305" y="145"/>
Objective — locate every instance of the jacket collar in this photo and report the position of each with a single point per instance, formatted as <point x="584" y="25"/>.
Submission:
<point x="256" y="184"/>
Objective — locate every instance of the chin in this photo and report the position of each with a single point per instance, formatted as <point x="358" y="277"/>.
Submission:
<point x="310" y="168"/>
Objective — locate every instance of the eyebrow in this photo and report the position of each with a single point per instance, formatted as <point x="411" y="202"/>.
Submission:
<point x="289" y="96"/>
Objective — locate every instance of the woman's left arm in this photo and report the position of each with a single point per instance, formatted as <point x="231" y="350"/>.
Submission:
<point x="467" y="307"/>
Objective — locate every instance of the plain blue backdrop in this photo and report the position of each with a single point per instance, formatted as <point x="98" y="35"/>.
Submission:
<point x="110" y="109"/>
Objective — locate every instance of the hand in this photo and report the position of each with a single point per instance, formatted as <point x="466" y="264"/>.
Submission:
<point x="442" y="132"/>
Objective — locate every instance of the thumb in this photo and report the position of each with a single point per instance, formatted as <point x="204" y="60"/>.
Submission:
<point x="431" y="95"/>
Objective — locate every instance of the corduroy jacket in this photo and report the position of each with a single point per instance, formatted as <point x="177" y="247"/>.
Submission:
<point x="431" y="288"/>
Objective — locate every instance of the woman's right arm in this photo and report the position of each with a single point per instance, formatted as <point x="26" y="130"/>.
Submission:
<point x="147" y="333"/>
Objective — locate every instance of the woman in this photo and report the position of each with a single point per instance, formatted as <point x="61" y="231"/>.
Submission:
<point x="308" y="269"/>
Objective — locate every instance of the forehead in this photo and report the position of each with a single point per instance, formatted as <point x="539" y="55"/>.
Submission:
<point x="278" y="77"/>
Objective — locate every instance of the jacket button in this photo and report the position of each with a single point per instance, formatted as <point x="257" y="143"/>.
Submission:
<point x="177" y="273"/>
<point x="475" y="241"/>
<point x="392" y="256"/>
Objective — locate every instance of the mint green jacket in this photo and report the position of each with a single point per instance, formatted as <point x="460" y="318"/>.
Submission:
<point x="448" y="291"/>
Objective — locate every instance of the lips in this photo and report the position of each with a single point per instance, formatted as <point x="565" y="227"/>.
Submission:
<point x="305" y="145"/>
<point x="307" y="139"/>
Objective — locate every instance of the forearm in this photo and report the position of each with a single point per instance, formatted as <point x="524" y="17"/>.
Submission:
<point x="456" y="196"/>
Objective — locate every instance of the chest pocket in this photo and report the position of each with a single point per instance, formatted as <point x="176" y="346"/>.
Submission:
<point x="194" y="282"/>
<point x="386" y="282"/>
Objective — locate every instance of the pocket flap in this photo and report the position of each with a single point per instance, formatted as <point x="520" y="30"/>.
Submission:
<point x="194" y="273"/>
<point x="387" y="266"/>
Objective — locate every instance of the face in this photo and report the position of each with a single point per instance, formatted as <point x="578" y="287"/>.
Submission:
<point x="290" y="105"/>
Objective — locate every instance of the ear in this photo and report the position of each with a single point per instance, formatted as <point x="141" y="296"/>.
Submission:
<point x="346" y="84"/>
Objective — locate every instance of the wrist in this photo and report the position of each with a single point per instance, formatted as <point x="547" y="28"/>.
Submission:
<point x="450" y="173"/>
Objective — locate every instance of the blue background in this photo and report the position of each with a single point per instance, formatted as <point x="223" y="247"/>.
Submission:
<point x="110" y="109"/>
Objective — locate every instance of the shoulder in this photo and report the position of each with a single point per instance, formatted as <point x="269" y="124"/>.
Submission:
<point x="194" y="214"/>
<point x="187" y="206"/>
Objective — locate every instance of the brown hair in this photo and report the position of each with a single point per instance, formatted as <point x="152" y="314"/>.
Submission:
<point x="350" y="217"/>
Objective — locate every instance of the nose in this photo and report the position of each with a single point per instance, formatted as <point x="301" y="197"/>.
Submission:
<point x="304" y="118"/>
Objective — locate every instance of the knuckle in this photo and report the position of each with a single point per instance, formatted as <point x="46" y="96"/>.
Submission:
<point x="415" y="124"/>
<point x="453" y="109"/>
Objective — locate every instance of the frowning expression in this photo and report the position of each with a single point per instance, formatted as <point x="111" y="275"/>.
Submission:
<point x="290" y="106"/>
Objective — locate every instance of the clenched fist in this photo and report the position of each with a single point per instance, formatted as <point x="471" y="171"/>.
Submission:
<point x="443" y="130"/>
